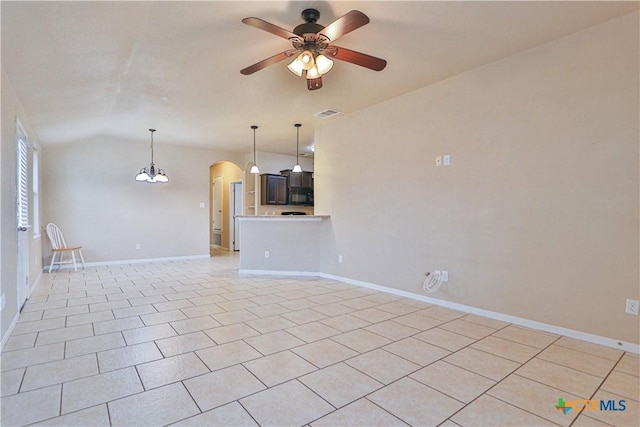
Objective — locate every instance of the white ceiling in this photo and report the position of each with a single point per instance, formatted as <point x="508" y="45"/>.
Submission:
<point x="83" y="69"/>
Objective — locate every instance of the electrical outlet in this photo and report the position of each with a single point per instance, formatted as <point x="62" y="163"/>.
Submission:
<point x="439" y="161"/>
<point x="444" y="275"/>
<point x="267" y="254"/>
<point x="137" y="245"/>
<point x="632" y="306"/>
<point x="340" y="259"/>
<point x="446" y="159"/>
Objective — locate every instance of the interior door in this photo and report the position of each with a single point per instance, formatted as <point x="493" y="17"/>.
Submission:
<point x="22" y="216"/>
<point x="236" y="210"/>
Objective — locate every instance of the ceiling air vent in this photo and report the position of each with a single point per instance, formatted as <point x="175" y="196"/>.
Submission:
<point x="326" y="113"/>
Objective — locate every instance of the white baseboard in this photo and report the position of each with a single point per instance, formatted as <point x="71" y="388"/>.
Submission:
<point x="132" y="261"/>
<point x="572" y="333"/>
<point x="7" y="334"/>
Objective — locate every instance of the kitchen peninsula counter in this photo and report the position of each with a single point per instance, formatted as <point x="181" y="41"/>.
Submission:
<point x="281" y="243"/>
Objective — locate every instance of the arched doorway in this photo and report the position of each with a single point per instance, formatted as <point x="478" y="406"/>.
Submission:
<point x="225" y="179"/>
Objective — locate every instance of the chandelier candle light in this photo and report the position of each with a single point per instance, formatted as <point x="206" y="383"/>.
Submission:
<point x="152" y="174"/>
<point x="297" y="167"/>
<point x="254" y="168"/>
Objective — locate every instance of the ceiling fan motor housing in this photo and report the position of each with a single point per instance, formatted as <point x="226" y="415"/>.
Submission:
<point x="310" y="27"/>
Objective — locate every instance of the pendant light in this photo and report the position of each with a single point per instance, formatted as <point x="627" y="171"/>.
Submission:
<point x="297" y="167"/>
<point x="152" y="174"/>
<point x="254" y="168"/>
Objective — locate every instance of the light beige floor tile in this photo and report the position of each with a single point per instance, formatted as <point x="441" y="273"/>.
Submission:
<point x="488" y="411"/>
<point x="63" y="334"/>
<point x="398" y="308"/>
<point x="227" y="354"/>
<point x="171" y="369"/>
<point x="237" y="305"/>
<point x="445" y="339"/>
<point x="361" y="340"/>
<point x="482" y="363"/>
<point x="361" y="413"/>
<point x="468" y="329"/>
<point x="50" y="373"/>
<point x="504" y="348"/>
<point x="587" y="347"/>
<point x="102" y="306"/>
<point x="225" y="334"/>
<point x="324" y="353"/>
<point x="96" y="416"/>
<point x="117" y="325"/>
<point x="485" y="321"/>
<point x="441" y="313"/>
<point x="146" y="300"/>
<point x="203" y="300"/>
<point x="383" y="366"/>
<point x="94" y="344"/>
<point x="184" y="343"/>
<point x="301" y="317"/>
<point x="66" y="311"/>
<point x="578" y="360"/>
<point x="30" y="407"/>
<point x="138" y="310"/>
<point x="314" y="331"/>
<point x="196" y="324"/>
<point x="279" y="368"/>
<point x="232" y="414"/>
<point x="415" y="403"/>
<point x="19" y="342"/>
<point x="10" y="381"/>
<point x="270" y="324"/>
<point x="525" y="336"/>
<point x="32" y="316"/>
<point x="586" y="421"/>
<point x="629" y="365"/>
<point x="453" y="381"/>
<point x="392" y="330"/>
<point x="286" y="404"/>
<point x="345" y="322"/>
<point x="373" y="315"/>
<point x="273" y="342"/>
<point x="36" y="306"/>
<point x="172" y="295"/>
<point x="418" y="321"/>
<point x="149" y="333"/>
<point x="223" y="386"/>
<point x="268" y="310"/>
<point x="159" y="406"/>
<point x="131" y="355"/>
<point x="331" y="309"/>
<point x="97" y="389"/>
<point x="416" y="351"/>
<point x="162" y="317"/>
<point x="340" y="384"/>
<point x="38" y="326"/>
<point x="173" y="305"/>
<point x="534" y="397"/>
<point x="560" y="377"/>
<point x="359" y="303"/>
<point x="449" y="423"/>
<point x="124" y="295"/>
<point x="236" y="316"/>
<point x="622" y="384"/>
<point x="83" y="319"/>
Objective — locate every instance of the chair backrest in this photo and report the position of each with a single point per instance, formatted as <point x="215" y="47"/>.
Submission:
<point x="55" y="236"/>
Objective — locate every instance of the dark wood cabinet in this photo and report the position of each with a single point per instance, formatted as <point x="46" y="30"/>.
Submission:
<point x="273" y="189"/>
<point x="298" y="179"/>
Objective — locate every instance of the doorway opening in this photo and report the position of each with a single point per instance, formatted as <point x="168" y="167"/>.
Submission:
<point x="225" y="181"/>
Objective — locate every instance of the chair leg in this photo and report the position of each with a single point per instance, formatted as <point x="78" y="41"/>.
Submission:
<point x="53" y="257"/>
<point x="81" y="258"/>
<point x="73" y="258"/>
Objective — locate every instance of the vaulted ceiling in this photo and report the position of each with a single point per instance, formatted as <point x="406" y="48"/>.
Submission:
<point x="87" y="69"/>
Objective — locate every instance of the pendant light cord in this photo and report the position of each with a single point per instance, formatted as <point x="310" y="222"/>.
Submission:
<point x="254" y="127"/>
<point x="297" y="125"/>
<point x="152" y="131"/>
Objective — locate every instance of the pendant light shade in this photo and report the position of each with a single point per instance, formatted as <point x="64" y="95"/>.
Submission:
<point x="297" y="167"/>
<point x="254" y="168"/>
<point x="152" y="174"/>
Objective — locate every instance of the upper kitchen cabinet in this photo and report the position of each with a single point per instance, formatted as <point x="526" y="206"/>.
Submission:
<point x="298" y="179"/>
<point x="273" y="189"/>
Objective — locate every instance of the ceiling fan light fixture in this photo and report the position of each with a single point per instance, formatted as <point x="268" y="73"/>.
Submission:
<point x="323" y="64"/>
<point x="307" y="59"/>
<point x="296" y="67"/>
<point x="313" y="73"/>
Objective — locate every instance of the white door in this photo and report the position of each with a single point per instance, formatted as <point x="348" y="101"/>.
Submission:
<point x="216" y="211"/>
<point x="22" y="216"/>
<point x="235" y="209"/>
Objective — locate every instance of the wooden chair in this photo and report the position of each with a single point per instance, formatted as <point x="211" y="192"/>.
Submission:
<point x="59" y="247"/>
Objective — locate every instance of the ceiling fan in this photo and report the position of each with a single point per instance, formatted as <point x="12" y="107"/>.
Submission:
<point x="313" y="50"/>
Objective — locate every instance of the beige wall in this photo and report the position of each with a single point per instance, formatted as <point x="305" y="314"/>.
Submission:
<point x="92" y="195"/>
<point x="230" y="172"/>
<point x="536" y="217"/>
<point x="12" y="110"/>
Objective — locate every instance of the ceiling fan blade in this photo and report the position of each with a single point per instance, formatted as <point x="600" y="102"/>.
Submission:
<point x="269" y="61"/>
<point x="273" y="29"/>
<point x="358" y="58"/>
<point x="343" y="25"/>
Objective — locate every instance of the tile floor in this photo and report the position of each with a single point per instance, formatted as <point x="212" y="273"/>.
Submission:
<point x="194" y="343"/>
